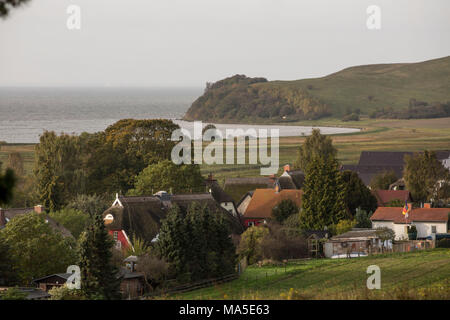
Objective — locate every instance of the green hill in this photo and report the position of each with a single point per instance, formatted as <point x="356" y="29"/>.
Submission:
<point x="402" y="90"/>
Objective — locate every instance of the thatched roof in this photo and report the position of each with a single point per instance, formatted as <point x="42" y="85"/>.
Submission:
<point x="142" y="216"/>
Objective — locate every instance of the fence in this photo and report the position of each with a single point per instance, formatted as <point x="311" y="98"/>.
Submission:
<point x="193" y="286"/>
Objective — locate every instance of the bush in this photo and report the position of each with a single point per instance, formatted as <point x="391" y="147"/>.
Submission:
<point x="154" y="269"/>
<point x="351" y="117"/>
<point x="283" y="210"/>
<point x="279" y="244"/>
<point x="250" y="244"/>
<point x="13" y="294"/>
<point x="345" y="225"/>
<point x="64" y="293"/>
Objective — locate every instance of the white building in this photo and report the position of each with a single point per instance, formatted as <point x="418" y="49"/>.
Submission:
<point x="428" y="221"/>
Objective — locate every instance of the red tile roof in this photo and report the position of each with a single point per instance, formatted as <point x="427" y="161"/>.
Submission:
<point x="264" y="200"/>
<point x="386" y="196"/>
<point x="420" y="214"/>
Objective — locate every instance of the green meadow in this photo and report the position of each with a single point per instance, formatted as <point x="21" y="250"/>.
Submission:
<point x="413" y="275"/>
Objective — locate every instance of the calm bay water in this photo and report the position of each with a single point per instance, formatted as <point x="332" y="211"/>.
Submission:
<point x="26" y="112"/>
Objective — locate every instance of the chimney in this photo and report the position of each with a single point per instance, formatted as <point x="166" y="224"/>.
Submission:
<point x="427" y="205"/>
<point x="2" y="217"/>
<point x="287" y="167"/>
<point x="39" y="209"/>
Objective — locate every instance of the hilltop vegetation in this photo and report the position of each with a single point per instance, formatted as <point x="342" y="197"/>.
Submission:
<point x="401" y="90"/>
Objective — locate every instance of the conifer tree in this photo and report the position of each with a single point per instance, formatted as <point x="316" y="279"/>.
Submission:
<point x="98" y="274"/>
<point x="323" y="200"/>
<point x="172" y="240"/>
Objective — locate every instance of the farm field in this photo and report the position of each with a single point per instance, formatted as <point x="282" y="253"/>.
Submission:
<point x="414" y="275"/>
<point x="377" y="135"/>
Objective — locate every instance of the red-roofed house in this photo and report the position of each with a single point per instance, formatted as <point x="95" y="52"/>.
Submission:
<point x="264" y="200"/>
<point x="427" y="220"/>
<point x="384" y="197"/>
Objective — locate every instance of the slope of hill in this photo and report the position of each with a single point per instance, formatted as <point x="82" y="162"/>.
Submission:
<point x="402" y="90"/>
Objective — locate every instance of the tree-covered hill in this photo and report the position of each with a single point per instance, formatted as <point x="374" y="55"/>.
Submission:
<point x="401" y="90"/>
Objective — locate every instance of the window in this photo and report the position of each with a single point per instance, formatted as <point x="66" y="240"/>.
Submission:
<point x="433" y="229"/>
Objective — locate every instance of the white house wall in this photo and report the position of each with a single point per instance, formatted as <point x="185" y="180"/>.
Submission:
<point x="423" y="228"/>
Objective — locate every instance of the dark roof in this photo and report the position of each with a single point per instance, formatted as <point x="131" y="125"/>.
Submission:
<point x="125" y="273"/>
<point x="143" y="215"/>
<point x="63" y="276"/>
<point x="372" y="163"/>
<point x="386" y="196"/>
<point x="286" y="182"/>
<point x="217" y="192"/>
<point x="298" y="177"/>
<point x="367" y="173"/>
<point x="138" y="215"/>
<point x="383" y="158"/>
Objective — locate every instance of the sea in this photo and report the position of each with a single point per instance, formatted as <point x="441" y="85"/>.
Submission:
<point x="26" y="112"/>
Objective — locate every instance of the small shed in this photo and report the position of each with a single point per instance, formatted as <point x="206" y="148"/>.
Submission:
<point x="54" y="280"/>
<point x="354" y="243"/>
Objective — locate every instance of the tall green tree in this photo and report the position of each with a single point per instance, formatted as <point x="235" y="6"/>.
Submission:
<point x="166" y="175"/>
<point x="284" y="210"/>
<point x="316" y="144"/>
<point x="357" y="195"/>
<point x="8" y="274"/>
<point x="197" y="242"/>
<point x="424" y="176"/>
<point x="323" y="200"/>
<point x="73" y="220"/>
<point x="173" y="239"/>
<point x="36" y="249"/>
<point x="99" y="276"/>
<point x="7" y="183"/>
<point x="57" y="169"/>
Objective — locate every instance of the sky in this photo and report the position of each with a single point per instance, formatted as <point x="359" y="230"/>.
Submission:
<point x="174" y="43"/>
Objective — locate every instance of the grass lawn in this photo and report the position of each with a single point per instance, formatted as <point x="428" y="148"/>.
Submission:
<point x="414" y="275"/>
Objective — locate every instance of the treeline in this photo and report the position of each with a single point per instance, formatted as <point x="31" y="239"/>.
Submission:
<point x="240" y="97"/>
<point x="416" y="110"/>
<point x="100" y="163"/>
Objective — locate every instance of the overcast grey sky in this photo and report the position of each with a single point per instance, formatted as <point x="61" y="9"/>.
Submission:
<point x="189" y="42"/>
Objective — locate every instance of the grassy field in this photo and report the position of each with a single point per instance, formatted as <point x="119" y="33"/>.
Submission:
<point x="377" y="135"/>
<point x="381" y="135"/>
<point x="416" y="275"/>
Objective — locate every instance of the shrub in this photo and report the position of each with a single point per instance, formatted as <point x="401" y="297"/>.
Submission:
<point x="344" y="226"/>
<point x="250" y="244"/>
<point x="154" y="269"/>
<point x="13" y="294"/>
<point x="283" y="210"/>
<point x="64" y="293"/>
